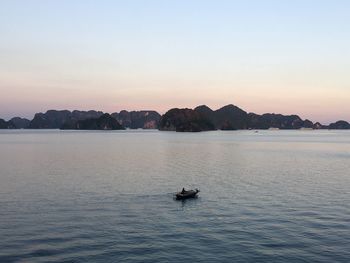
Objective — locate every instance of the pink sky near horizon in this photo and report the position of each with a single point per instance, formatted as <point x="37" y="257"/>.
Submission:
<point x="303" y="91"/>
<point x="26" y="103"/>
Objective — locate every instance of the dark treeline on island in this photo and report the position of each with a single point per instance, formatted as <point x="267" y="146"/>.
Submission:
<point x="104" y="122"/>
<point x="202" y="118"/>
<point x="86" y="120"/>
<point x="230" y="117"/>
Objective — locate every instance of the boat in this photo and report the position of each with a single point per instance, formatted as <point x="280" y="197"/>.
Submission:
<point x="185" y="194"/>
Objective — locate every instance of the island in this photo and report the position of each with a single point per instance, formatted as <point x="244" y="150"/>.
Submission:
<point x="201" y="118"/>
<point x="104" y="122"/>
<point x="231" y="117"/>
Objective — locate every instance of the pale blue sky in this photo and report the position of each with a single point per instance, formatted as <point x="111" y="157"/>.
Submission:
<point x="264" y="56"/>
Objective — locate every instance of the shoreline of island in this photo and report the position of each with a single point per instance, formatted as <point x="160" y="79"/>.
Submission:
<point x="201" y="118"/>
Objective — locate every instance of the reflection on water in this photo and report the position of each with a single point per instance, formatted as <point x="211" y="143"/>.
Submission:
<point x="280" y="196"/>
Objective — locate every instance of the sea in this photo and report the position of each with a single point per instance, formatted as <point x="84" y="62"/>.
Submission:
<point x="108" y="196"/>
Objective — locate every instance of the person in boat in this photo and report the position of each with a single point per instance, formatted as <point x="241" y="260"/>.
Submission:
<point x="183" y="190"/>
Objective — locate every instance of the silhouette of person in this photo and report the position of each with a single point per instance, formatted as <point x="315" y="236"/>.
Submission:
<point x="183" y="190"/>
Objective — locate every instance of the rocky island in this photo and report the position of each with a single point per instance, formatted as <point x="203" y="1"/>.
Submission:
<point x="104" y="122"/>
<point x="231" y="117"/>
<point x="339" y="125"/>
<point x="185" y="120"/>
<point x="201" y="118"/>
<point x="56" y="119"/>
<point x="138" y="119"/>
<point x="6" y="124"/>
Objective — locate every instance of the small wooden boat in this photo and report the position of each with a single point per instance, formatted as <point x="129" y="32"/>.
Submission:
<point x="185" y="194"/>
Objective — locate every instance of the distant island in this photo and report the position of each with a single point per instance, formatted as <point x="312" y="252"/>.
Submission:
<point x="104" y="122"/>
<point x="64" y="119"/>
<point x="201" y="118"/>
<point x="230" y="117"/>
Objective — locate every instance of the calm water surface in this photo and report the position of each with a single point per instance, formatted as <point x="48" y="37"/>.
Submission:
<point x="271" y="196"/>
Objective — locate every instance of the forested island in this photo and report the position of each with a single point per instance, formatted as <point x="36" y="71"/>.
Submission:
<point x="201" y="118"/>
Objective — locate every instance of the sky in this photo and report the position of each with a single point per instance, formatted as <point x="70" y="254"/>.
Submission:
<point x="289" y="57"/>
